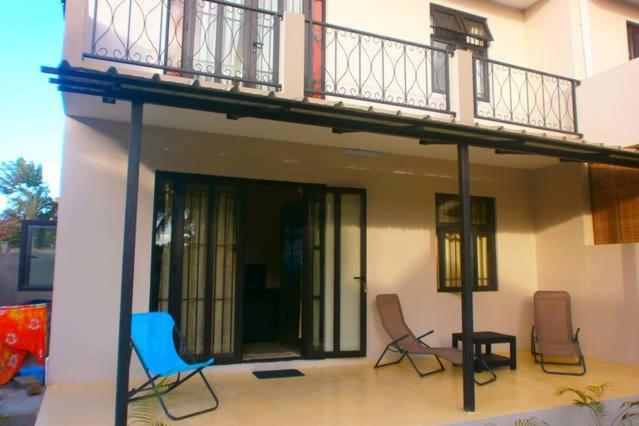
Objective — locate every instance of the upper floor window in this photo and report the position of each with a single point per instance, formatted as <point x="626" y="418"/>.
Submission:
<point x="614" y="196"/>
<point x="633" y="40"/>
<point x="452" y="29"/>
<point x="449" y="243"/>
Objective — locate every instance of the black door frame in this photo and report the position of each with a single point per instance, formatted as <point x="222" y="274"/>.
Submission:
<point x="176" y="261"/>
<point x="337" y="353"/>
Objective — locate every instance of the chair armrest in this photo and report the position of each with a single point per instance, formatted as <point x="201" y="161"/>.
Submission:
<point x="395" y="342"/>
<point x="428" y="333"/>
<point x="576" y="338"/>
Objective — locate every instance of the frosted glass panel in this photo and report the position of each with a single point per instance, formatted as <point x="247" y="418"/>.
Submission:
<point x="350" y="270"/>
<point x="329" y="272"/>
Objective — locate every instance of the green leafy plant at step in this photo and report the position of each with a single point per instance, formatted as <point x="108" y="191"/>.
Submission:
<point x="590" y="399"/>
<point x="531" y="421"/>
<point x="147" y="411"/>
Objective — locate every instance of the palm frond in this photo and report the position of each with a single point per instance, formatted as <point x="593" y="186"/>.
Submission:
<point x="590" y="399"/>
<point x="598" y="390"/>
<point x="531" y="421"/>
<point x="628" y="412"/>
<point x="147" y="411"/>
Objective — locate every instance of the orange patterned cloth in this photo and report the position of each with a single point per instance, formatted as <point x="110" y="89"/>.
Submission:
<point x="23" y="329"/>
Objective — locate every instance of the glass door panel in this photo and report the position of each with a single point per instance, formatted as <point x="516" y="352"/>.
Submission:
<point x="194" y="260"/>
<point x="313" y="293"/>
<point x="338" y="296"/>
<point x="351" y="281"/>
<point x="225" y="278"/>
<point x="329" y="273"/>
<point x="162" y="226"/>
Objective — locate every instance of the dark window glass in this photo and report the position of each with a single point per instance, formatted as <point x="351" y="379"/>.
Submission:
<point x="633" y="40"/>
<point x="37" y="255"/>
<point x="452" y="29"/>
<point x="449" y="243"/>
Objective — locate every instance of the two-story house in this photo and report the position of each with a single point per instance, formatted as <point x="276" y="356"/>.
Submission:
<point x="263" y="169"/>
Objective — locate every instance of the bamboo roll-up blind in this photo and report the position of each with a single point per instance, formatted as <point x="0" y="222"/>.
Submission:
<point x="614" y="194"/>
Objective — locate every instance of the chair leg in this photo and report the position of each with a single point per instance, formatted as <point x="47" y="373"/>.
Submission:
<point x="580" y="363"/>
<point x="426" y="373"/>
<point x="388" y="348"/>
<point x="159" y="394"/>
<point x="489" y="370"/>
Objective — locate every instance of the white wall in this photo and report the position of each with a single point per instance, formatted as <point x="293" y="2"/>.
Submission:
<point x="550" y="40"/>
<point x="603" y="280"/>
<point x="609" y="32"/>
<point x="401" y="238"/>
<point x="89" y="239"/>
<point x="411" y="21"/>
<point x="608" y="103"/>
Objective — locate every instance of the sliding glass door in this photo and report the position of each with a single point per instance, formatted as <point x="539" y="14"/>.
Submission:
<point x="336" y="273"/>
<point x="196" y="261"/>
<point x="198" y="264"/>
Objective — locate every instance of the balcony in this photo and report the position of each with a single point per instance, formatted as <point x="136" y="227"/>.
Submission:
<point x="224" y="42"/>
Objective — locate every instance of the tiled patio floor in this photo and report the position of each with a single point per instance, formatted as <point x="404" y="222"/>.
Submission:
<point x="345" y="395"/>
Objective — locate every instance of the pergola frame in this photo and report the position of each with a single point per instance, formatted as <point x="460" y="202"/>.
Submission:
<point x="112" y="86"/>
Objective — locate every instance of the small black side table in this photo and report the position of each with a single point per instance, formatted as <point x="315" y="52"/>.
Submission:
<point x="487" y="339"/>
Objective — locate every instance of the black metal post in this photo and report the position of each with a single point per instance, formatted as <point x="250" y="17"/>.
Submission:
<point x="467" y="277"/>
<point x="128" y="257"/>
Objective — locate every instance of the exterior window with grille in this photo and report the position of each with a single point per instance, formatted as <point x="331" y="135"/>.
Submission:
<point x="449" y="243"/>
<point x="452" y="29"/>
<point x="614" y="195"/>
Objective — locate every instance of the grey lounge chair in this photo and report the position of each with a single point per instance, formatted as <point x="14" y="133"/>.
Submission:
<point x="406" y="344"/>
<point x="552" y="335"/>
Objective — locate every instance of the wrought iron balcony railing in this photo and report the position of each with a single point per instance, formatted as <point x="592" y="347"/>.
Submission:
<point x="517" y="95"/>
<point x="354" y="64"/>
<point x="210" y="39"/>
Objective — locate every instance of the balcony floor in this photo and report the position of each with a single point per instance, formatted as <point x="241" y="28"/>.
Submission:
<point x="347" y="395"/>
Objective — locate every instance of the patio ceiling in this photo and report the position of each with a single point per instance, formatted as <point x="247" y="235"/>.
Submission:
<point x="245" y="104"/>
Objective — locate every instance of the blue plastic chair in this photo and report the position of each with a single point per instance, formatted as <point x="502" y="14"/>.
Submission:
<point x="152" y="341"/>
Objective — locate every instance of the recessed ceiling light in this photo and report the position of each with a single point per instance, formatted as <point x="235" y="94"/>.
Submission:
<point x="362" y="153"/>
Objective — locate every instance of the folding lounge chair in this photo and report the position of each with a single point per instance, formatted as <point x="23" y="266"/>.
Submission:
<point x="406" y="344"/>
<point x="552" y="334"/>
<point x="152" y="341"/>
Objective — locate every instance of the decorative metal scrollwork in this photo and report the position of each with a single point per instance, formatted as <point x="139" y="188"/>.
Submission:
<point x="214" y="40"/>
<point x="522" y="96"/>
<point x="358" y="65"/>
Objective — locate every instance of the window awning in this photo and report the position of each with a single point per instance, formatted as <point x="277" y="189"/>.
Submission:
<point x="460" y="28"/>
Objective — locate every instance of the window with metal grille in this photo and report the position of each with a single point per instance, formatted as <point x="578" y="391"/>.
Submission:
<point x="614" y="196"/>
<point x="452" y="29"/>
<point x="449" y="243"/>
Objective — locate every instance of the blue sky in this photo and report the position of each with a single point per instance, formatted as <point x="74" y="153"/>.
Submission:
<point x="31" y="113"/>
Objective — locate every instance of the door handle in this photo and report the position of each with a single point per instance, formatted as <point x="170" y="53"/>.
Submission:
<point x="257" y="45"/>
<point x="362" y="280"/>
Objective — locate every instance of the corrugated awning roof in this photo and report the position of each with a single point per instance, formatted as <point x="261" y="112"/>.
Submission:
<point x="237" y="103"/>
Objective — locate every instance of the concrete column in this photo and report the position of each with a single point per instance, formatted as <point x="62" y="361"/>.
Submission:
<point x="461" y="86"/>
<point x="75" y="42"/>
<point x="292" y="58"/>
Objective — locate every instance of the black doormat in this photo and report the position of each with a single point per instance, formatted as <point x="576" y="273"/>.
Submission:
<point x="277" y="374"/>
